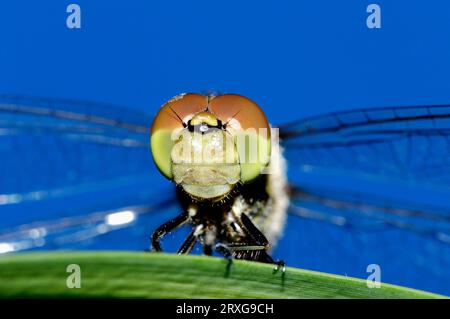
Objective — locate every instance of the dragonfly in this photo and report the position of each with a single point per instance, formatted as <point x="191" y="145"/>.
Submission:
<point x="79" y="175"/>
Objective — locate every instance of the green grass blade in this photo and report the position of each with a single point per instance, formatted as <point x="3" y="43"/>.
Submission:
<point x="150" y="275"/>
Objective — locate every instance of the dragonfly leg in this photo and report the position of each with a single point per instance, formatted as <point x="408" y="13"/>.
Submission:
<point x="256" y="250"/>
<point x="227" y="253"/>
<point x="243" y="250"/>
<point x="250" y="252"/>
<point x="225" y="250"/>
<point x="166" y="228"/>
<point x="189" y="243"/>
<point x="207" y="249"/>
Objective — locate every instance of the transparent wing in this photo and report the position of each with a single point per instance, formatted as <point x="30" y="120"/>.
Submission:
<point x="405" y="143"/>
<point x="371" y="186"/>
<point x="364" y="212"/>
<point x="86" y="229"/>
<point x="54" y="146"/>
<point x="343" y="232"/>
<point x="68" y="166"/>
<point x="360" y="167"/>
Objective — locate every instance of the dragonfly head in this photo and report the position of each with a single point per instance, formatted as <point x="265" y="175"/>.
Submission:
<point x="209" y="144"/>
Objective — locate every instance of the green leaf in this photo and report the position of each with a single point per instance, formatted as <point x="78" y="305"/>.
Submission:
<point x="151" y="275"/>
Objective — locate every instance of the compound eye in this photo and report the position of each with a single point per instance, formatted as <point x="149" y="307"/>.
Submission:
<point x="246" y="121"/>
<point x="172" y="116"/>
<point x="238" y="111"/>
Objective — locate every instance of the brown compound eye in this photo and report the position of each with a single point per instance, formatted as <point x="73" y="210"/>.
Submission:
<point x="178" y="110"/>
<point x="239" y="112"/>
<point x="173" y="115"/>
<point x="245" y="120"/>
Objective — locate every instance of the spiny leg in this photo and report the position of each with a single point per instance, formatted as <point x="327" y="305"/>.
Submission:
<point x="243" y="249"/>
<point x="260" y="244"/>
<point x="167" y="227"/>
<point x="279" y="263"/>
<point x="253" y="231"/>
<point x="257" y="242"/>
<point x="207" y="249"/>
<point x="227" y="254"/>
<point x="259" y="237"/>
<point x="225" y="250"/>
<point x="189" y="243"/>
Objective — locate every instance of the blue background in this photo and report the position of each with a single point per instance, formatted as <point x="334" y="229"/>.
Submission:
<point x="295" y="58"/>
